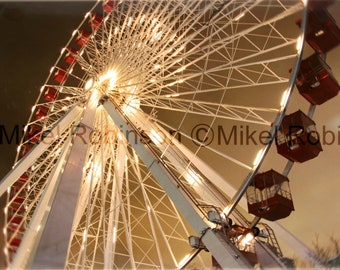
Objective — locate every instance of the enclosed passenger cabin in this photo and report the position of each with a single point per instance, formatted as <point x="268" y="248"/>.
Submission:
<point x="50" y="94"/>
<point x="23" y="179"/>
<point x="60" y="75"/>
<point x="25" y="149"/>
<point x="41" y="113"/>
<point x="34" y="133"/>
<point x="322" y="32"/>
<point x="96" y="20"/>
<point x="297" y="138"/>
<point x="83" y="37"/>
<point x="269" y="196"/>
<point x="14" y="244"/>
<point x="70" y="56"/>
<point x="315" y="80"/>
<point x="109" y="5"/>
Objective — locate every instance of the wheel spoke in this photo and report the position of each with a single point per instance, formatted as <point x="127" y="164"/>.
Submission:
<point x="168" y="67"/>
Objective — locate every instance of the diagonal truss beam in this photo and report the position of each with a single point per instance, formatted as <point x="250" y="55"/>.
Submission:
<point x="53" y="246"/>
<point x="217" y="243"/>
<point x="22" y="166"/>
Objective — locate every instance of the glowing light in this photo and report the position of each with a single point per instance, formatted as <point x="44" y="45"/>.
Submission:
<point x="74" y="32"/>
<point x="94" y="172"/>
<point x="183" y="261"/>
<point x="239" y="16"/>
<point x="192" y="177"/>
<point x="172" y="95"/>
<point x="51" y="69"/>
<point x="226" y="210"/>
<point x="249" y="236"/>
<point x="172" y="37"/>
<point x="156" y="137"/>
<point x="88" y="84"/>
<point x="58" y="151"/>
<point x="111" y="77"/>
<point x="319" y="33"/>
<point x="259" y="157"/>
<point x="131" y="105"/>
<point x="244" y="240"/>
<point x="130" y="21"/>
<point x="38" y="228"/>
<point x="157" y="36"/>
<point x="136" y="159"/>
<point x="84" y="235"/>
<point x="180" y="69"/>
<point x="157" y="27"/>
<point x="157" y="66"/>
<point x="62" y="50"/>
<point x="284" y="99"/>
<point x="114" y="236"/>
<point x="142" y="19"/>
<point x="178" y="50"/>
<point x="299" y="43"/>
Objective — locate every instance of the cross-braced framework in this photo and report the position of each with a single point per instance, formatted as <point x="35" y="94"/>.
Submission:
<point x="182" y="74"/>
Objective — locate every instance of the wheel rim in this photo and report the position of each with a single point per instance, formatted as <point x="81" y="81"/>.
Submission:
<point x="194" y="68"/>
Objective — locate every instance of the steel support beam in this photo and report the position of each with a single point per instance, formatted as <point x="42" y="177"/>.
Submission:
<point x="52" y="250"/>
<point x="25" y="254"/>
<point x="217" y="243"/>
<point x="22" y="166"/>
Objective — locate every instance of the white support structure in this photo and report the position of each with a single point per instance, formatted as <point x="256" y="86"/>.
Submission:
<point x="29" y="243"/>
<point x="282" y="233"/>
<point x="52" y="250"/>
<point x="287" y="237"/>
<point x="22" y="166"/>
<point x="217" y="243"/>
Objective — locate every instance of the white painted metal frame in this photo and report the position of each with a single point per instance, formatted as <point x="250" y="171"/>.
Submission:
<point x="160" y="71"/>
<point x="217" y="243"/>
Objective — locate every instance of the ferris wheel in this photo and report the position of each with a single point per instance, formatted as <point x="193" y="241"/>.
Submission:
<point x="137" y="138"/>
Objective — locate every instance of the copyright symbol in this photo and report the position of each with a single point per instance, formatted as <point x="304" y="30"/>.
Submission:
<point x="202" y="135"/>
